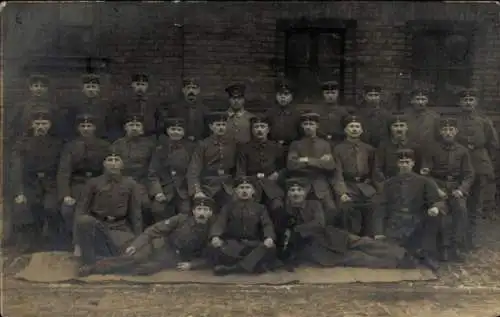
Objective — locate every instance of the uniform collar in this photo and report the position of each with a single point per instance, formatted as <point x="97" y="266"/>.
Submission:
<point x="399" y="141"/>
<point x="448" y="145"/>
<point x="114" y="178"/>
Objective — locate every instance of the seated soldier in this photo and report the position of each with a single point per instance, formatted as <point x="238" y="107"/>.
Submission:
<point x="407" y="210"/>
<point x="167" y="172"/>
<point x="108" y="214"/>
<point x="355" y="179"/>
<point x="449" y="164"/>
<point x="242" y="236"/>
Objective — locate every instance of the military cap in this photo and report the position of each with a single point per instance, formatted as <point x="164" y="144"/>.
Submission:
<point x="372" y="88"/>
<point x="297" y="181"/>
<point x="91" y="79"/>
<point x="85" y="118"/>
<point x="350" y="119"/>
<point x="204" y="202"/>
<point x="140" y="78"/>
<point x="41" y="114"/>
<point x="134" y="117"/>
<point x="112" y="152"/>
<point x="447" y="122"/>
<point x="175" y="122"/>
<point x="243" y="180"/>
<point x="329" y="85"/>
<point x="397" y="117"/>
<point x="404" y="154"/>
<point x="467" y="92"/>
<point x="309" y="116"/>
<point x="189" y="82"/>
<point x="34" y="78"/>
<point x="260" y="119"/>
<point x="283" y="85"/>
<point x="236" y="90"/>
<point x="216" y="117"/>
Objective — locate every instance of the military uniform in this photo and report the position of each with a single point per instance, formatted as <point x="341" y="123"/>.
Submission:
<point x="374" y="120"/>
<point x="212" y="165"/>
<point x="96" y="107"/>
<point x="34" y="168"/>
<point x="331" y="115"/>
<point x="355" y="177"/>
<point x="193" y="114"/>
<point x="238" y="123"/>
<point x="319" y="166"/>
<point x="242" y="225"/>
<point x="81" y="160"/>
<point x="421" y="122"/>
<point x="167" y="174"/>
<point x="108" y="216"/>
<point x="450" y="166"/>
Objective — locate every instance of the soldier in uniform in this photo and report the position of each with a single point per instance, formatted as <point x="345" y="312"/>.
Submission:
<point x="81" y="160"/>
<point x="477" y="133"/>
<point x="421" y="119"/>
<point x="93" y="104"/>
<point x="449" y="164"/>
<point x="108" y="214"/>
<point x="242" y="236"/>
<point x="192" y="110"/>
<point x="331" y="114"/>
<point x="354" y="183"/>
<point x="407" y="211"/>
<point x="264" y="160"/>
<point x="136" y="151"/>
<point x="284" y="118"/>
<point x="34" y="166"/>
<point x="213" y="162"/>
<point x="311" y="157"/>
<point x="167" y="172"/>
<point x="373" y="116"/>
<point x="238" y="123"/>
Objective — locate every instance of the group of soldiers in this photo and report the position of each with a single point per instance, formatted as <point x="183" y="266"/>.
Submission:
<point x="177" y="185"/>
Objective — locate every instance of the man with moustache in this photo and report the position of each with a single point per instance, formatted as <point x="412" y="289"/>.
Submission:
<point x="265" y="161"/>
<point x="167" y="172"/>
<point x="311" y="157"/>
<point x="422" y="120"/>
<point x="449" y="164"/>
<point x="192" y="110"/>
<point x="242" y="236"/>
<point x="373" y="116"/>
<point x="354" y="182"/>
<point x="213" y="162"/>
<point x="34" y="167"/>
<point x="108" y="214"/>
<point x="238" y="123"/>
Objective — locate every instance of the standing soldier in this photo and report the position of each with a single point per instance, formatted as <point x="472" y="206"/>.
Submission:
<point x="373" y="116"/>
<point x="213" y="162"/>
<point x="421" y="124"/>
<point x="34" y="166"/>
<point x="192" y="110"/>
<point x="450" y="165"/>
<point x="311" y="157"/>
<point x="284" y="118"/>
<point x="354" y="180"/>
<point x="167" y="172"/>
<point x="93" y="104"/>
<point x="108" y="214"/>
<point x="81" y="160"/>
<point x="477" y="133"/>
<point x="330" y="124"/>
<point x="238" y="123"/>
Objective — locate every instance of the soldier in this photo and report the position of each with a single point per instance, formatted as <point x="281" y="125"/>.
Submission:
<point x="213" y="162"/>
<point x="331" y="114"/>
<point x="93" y="104"/>
<point x="477" y="133"/>
<point x="450" y="165"/>
<point x="312" y="157"/>
<point x="108" y="214"/>
<point x="192" y="110"/>
<point x="421" y="122"/>
<point x="238" y="124"/>
<point x="136" y="151"/>
<point x="242" y="236"/>
<point x="81" y="160"/>
<point x="264" y="160"/>
<point x="284" y="117"/>
<point x="373" y="116"/>
<point x="355" y="178"/>
<point x="34" y="166"/>
<point x="167" y="172"/>
<point x="407" y="211"/>
<point x="386" y="157"/>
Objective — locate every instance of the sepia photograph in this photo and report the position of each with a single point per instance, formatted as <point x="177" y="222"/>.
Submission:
<point x="250" y="158"/>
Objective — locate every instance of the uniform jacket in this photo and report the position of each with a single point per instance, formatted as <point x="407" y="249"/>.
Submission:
<point x="284" y="123"/>
<point x="386" y="157"/>
<point x="375" y="122"/>
<point x="330" y="124"/>
<point x="136" y="154"/>
<point x="148" y="107"/>
<point x="194" y="117"/>
<point x="238" y="126"/>
<point x="422" y="126"/>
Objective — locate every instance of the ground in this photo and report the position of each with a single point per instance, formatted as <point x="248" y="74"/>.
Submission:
<point x="468" y="290"/>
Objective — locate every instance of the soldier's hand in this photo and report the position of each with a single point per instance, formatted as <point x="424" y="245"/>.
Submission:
<point x="216" y="242"/>
<point x="200" y="195"/>
<point x="434" y="211"/>
<point x="457" y="193"/>
<point x="274" y="176"/>
<point x="425" y="171"/>
<point x="326" y="157"/>
<point x="345" y="198"/>
<point x="260" y="175"/>
<point x="20" y="199"/>
<point x="184" y="266"/>
<point x="160" y="197"/>
<point x="68" y="200"/>
<point x="379" y="237"/>
<point x="269" y="243"/>
<point x="303" y="159"/>
<point x="130" y="251"/>
<point x="442" y="193"/>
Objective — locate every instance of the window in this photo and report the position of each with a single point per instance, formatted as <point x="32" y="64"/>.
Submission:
<point x="441" y="59"/>
<point x="76" y="31"/>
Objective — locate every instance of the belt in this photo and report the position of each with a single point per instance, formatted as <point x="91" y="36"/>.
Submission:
<point x="107" y="218"/>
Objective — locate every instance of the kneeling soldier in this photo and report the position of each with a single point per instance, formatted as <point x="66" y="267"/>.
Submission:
<point x="242" y="236"/>
<point x="108" y="214"/>
<point x="450" y="165"/>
